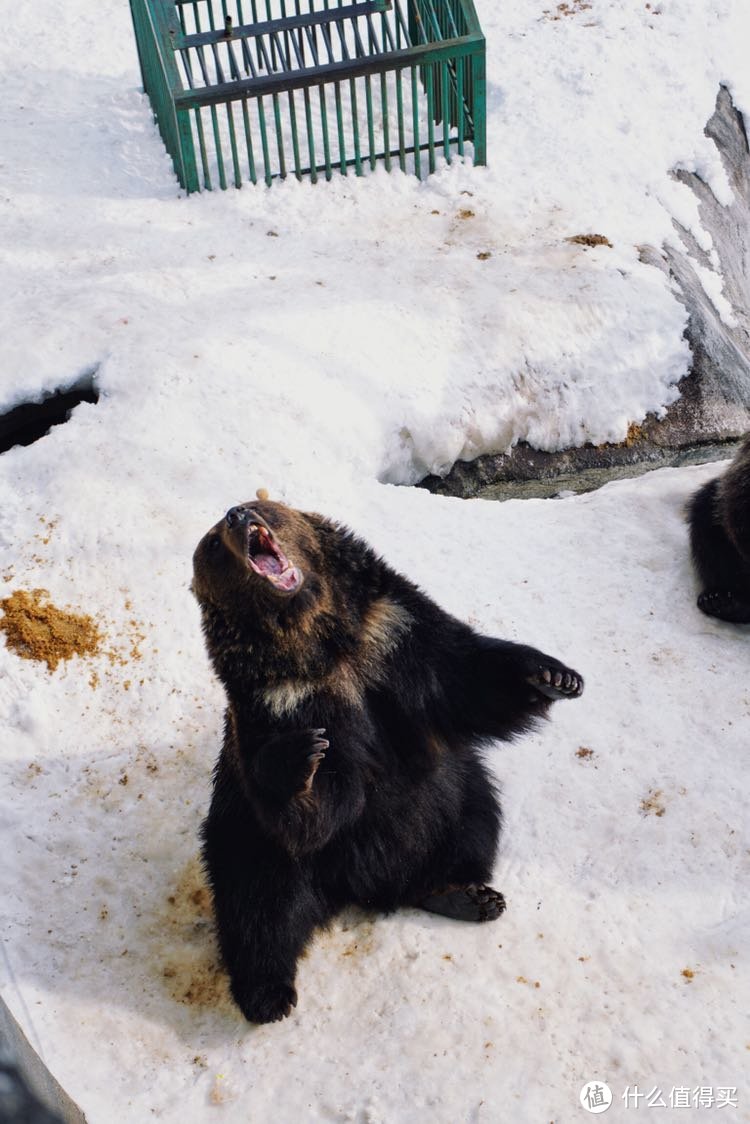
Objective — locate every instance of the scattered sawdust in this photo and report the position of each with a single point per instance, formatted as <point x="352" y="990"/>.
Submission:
<point x="360" y="939"/>
<point x="689" y="974"/>
<point x="192" y="895"/>
<point x="634" y="435"/>
<point x="195" y="981"/>
<point x="531" y="983"/>
<point x="483" y="255"/>
<point x="653" y="804"/>
<point x="37" y="630"/>
<point x="574" y="8"/>
<point x="466" y="213"/>
<point x="589" y="240"/>
<point x="49" y="526"/>
<point x="189" y="962"/>
<point x="584" y="753"/>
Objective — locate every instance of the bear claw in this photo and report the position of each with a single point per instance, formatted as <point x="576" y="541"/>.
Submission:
<point x="557" y="684"/>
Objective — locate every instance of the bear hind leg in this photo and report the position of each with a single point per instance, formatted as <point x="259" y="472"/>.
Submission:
<point x="463" y="892"/>
<point x="724" y="574"/>
<point x="474" y="902"/>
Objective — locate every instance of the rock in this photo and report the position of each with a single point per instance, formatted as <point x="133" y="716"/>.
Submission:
<point x="714" y="403"/>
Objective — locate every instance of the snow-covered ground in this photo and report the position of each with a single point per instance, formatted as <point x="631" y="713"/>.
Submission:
<point x="329" y="343"/>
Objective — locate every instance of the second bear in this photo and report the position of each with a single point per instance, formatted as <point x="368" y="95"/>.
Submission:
<point x="719" y="517"/>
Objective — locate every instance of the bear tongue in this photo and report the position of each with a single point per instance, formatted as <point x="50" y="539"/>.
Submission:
<point x="267" y="563"/>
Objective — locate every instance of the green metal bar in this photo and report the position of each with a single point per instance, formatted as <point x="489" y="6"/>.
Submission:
<point x="400" y="112"/>
<point x="446" y="112"/>
<point x="161" y="81"/>
<point x="353" y="68"/>
<point x="429" y="80"/>
<point x="384" y="103"/>
<point x="264" y="141"/>
<point x="415" y="122"/>
<point x="273" y="47"/>
<point x="249" y="142"/>
<point x="470" y="15"/>
<point x="355" y="127"/>
<point x="460" y="104"/>
<point x="310" y="136"/>
<point x="202" y="146"/>
<point x="285" y="24"/>
<point x="286" y="30"/>
<point x="479" y="90"/>
<point x="219" y="153"/>
<point x="233" y="147"/>
<point x="410" y="150"/>
<point x="324" y="130"/>
<point x="402" y="28"/>
<point x="279" y="136"/>
<point x="340" y="125"/>
<point x="295" y="137"/>
<point x="370" y="121"/>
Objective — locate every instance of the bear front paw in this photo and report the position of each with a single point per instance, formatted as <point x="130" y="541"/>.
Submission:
<point x="265" y="1003"/>
<point x="556" y="682"/>
<point x="289" y="761"/>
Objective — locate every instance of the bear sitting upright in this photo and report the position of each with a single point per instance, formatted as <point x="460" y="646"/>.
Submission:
<point x="719" y="517"/>
<point x="350" y="771"/>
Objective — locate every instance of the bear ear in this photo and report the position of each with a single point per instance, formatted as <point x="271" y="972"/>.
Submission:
<point x="262" y="493"/>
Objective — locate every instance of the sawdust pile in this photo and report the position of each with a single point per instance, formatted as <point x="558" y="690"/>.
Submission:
<point x="37" y="630"/>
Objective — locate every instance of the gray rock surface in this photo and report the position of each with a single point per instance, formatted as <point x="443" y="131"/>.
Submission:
<point x="714" y="403"/>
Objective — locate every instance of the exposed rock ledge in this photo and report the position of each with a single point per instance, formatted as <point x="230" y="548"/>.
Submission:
<point x="713" y="409"/>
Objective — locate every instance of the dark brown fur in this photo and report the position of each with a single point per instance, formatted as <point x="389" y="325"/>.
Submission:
<point x="350" y="771"/>
<point x="719" y="516"/>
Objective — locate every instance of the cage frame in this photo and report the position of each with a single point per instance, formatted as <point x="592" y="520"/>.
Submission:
<point x="451" y="72"/>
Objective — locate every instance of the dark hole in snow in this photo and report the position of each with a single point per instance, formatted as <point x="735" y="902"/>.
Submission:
<point x="26" y="423"/>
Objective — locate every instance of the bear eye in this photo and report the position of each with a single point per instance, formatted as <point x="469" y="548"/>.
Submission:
<point x="214" y="542"/>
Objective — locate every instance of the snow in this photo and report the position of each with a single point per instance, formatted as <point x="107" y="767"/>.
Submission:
<point x="329" y="344"/>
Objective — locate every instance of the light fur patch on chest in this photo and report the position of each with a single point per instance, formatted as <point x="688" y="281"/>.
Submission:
<point x="383" y="625"/>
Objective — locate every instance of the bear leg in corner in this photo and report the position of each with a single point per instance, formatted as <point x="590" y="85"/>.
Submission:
<point x="266" y="910"/>
<point x="724" y="574"/>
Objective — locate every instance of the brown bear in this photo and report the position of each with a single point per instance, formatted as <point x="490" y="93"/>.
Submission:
<point x="719" y="518"/>
<point x="351" y="770"/>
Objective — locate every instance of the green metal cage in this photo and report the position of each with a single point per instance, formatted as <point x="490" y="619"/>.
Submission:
<point x="262" y="89"/>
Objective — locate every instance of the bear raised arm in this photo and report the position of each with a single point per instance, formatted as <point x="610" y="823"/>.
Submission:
<point x="350" y="771"/>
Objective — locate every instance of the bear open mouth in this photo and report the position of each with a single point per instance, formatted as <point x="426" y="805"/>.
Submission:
<point x="269" y="560"/>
